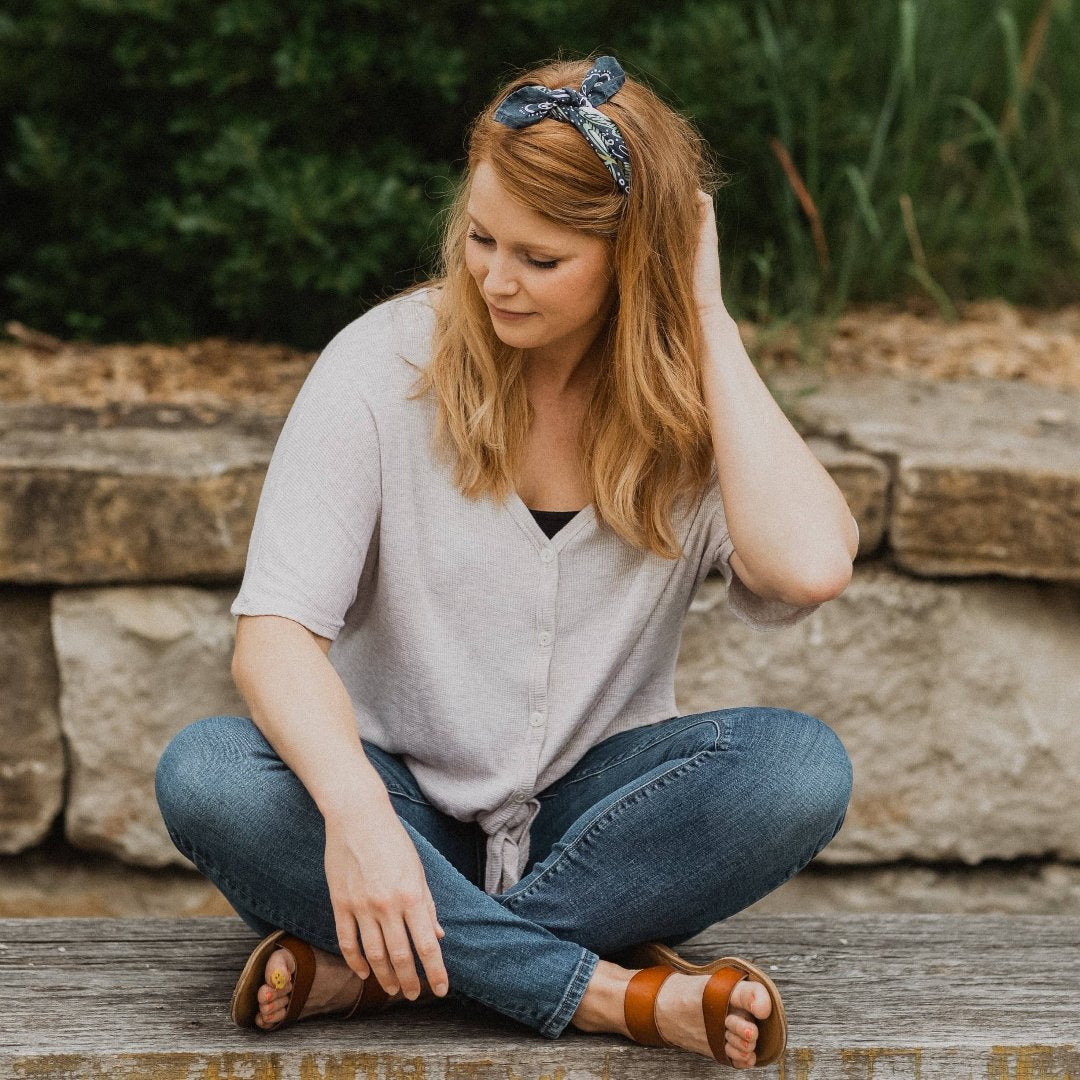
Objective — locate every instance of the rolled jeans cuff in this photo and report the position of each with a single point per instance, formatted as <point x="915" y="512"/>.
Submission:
<point x="558" y="1020"/>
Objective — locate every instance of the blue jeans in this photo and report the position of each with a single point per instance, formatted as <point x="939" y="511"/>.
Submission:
<point x="655" y="835"/>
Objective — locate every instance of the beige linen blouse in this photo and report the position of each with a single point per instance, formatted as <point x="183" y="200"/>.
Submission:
<point x="486" y="654"/>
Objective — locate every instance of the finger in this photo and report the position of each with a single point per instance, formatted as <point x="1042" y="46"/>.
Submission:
<point x="435" y="919"/>
<point x="376" y="953"/>
<point x="427" y="948"/>
<point x="401" y="955"/>
<point x="349" y="945"/>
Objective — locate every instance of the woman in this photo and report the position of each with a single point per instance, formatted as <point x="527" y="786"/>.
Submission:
<point x="482" y="525"/>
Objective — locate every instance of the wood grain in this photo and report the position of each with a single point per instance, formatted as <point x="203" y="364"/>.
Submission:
<point x="867" y="996"/>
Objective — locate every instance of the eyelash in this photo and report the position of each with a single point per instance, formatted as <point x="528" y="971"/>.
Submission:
<point x="540" y="265"/>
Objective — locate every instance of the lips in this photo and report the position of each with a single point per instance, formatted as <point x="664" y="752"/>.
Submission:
<point x="503" y="311"/>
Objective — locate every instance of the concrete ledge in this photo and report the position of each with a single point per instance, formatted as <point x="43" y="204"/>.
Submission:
<point x="920" y="996"/>
<point x="985" y="474"/>
<point x="124" y="496"/>
<point x="963" y="478"/>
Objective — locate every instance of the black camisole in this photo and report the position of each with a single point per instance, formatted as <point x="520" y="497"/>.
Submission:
<point x="551" y="521"/>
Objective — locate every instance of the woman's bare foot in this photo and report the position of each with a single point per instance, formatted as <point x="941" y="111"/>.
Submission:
<point x="679" y="1017"/>
<point x="334" y="987"/>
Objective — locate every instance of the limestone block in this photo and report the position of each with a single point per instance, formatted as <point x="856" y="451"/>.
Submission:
<point x="136" y="665"/>
<point x="31" y="748"/>
<point x="967" y="517"/>
<point x="986" y="472"/>
<point x="957" y="703"/>
<point x="87" y="497"/>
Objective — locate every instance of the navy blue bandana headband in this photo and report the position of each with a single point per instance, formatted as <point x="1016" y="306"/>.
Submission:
<point x="528" y="104"/>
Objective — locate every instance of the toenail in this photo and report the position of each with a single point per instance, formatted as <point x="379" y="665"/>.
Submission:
<point x="278" y="979"/>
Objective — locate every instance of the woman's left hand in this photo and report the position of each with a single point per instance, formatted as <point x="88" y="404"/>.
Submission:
<point x="707" y="261"/>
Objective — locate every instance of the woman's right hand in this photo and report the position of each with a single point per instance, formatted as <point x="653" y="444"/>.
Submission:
<point x="377" y="883"/>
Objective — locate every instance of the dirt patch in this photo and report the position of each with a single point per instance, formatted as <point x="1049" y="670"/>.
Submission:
<point x="992" y="339"/>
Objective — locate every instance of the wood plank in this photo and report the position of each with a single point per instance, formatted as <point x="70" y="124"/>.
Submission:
<point x="867" y="996"/>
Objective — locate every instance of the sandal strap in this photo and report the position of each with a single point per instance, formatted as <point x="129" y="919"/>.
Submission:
<point x="639" y="1004"/>
<point x="303" y="977"/>
<point x="370" y="999"/>
<point x="714" y="1006"/>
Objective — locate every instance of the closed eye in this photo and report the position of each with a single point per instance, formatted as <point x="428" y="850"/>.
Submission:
<point x="485" y="240"/>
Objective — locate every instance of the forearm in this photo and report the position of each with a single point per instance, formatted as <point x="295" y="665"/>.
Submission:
<point x="299" y="703"/>
<point x="789" y="522"/>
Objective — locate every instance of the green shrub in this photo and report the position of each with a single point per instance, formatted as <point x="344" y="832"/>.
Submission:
<point x="267" y="170"/>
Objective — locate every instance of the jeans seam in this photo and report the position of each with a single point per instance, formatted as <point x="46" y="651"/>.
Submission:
<point x="656" y="781"/>
<point x="721" y="737"/>
<point x="406" y="795"/>
<point x="571" y="999"/>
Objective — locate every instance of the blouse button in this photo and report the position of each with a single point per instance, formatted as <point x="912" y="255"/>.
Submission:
<point x="545" y="637"/>
<point x="547" y="554"/>
<point x="536" y="719"/>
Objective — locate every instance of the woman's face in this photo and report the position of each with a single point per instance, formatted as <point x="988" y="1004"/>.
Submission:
<point x="522" y="262"/>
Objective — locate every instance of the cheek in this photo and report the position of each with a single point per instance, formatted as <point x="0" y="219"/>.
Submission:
<point x="577" y="294"/>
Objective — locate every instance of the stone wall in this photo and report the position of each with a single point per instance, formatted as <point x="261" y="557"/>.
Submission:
<point x="949" y="667"/>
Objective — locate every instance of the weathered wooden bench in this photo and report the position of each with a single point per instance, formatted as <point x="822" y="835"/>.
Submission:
<point x="867" y="996"/>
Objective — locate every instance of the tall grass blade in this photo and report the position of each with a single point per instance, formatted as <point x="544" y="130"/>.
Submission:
<point x="862" y="201"/>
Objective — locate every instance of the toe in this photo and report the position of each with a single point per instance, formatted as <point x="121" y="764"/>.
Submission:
<point x="737" y="1046"/>
<point x="269" y="1016"/>
<point x="744" y="1032"/>
<point x="741" y="1059"/>
<point x="279" y="969"/>
<point x="275" y="990"/>
<point x="752" y="998"/>
<point x="268" y="1005"/>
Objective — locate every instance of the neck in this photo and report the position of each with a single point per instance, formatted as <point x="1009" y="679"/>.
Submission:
<point x="555" y="376"/>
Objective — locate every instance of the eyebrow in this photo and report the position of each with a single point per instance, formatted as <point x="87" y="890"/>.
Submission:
<point x="519" y="247"/>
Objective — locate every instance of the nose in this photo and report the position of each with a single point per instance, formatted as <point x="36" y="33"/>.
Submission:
<point x="499" y="280"/>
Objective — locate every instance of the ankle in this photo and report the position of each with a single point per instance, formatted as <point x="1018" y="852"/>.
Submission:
<point x="601" y="1007"/>
<point x="336" y="979"/>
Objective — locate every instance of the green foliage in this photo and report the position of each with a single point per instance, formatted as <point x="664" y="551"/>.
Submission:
<point x="266" y="170"/>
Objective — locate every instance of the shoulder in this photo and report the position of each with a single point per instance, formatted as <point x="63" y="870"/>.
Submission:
<point x="398" y="317"/>
<point x="383" y="350"/>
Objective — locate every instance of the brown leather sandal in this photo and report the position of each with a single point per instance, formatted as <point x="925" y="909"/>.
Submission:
<point x="640" y="1003"/>
<point x="372" y="998"/>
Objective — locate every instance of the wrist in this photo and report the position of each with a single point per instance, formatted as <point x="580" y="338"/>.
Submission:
<point x="362" y="799"/>
<point x="360" y="818"/>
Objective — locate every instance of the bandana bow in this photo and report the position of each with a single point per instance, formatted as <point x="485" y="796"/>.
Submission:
<point x="529" y="104"/>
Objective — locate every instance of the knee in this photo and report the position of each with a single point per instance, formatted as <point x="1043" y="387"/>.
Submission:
<point x="189" y="768"/>
<point x="824" y="773"/>
<point x="829" y="776"/>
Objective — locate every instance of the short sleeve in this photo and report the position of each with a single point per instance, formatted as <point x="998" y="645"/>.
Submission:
<point x="319" y="504"/>
<point x="755" y="611"/>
